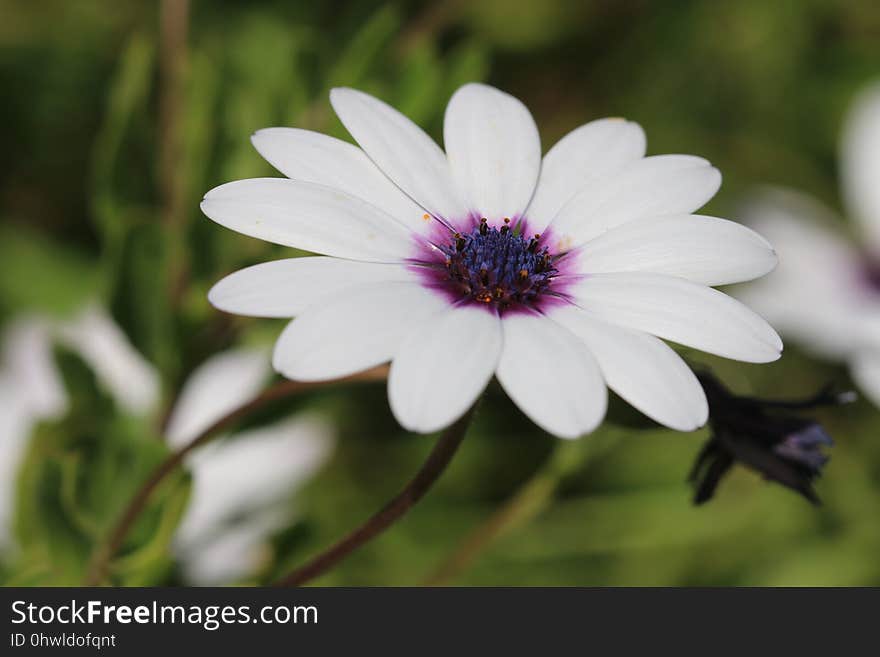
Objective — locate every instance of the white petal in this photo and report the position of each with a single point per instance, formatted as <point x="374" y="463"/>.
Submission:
<point x="642" y="369"/>
<point x="28" y="360"/>
<point x="312" y="157"/>
<point x="234" y="553"/>
<point x="442" y="367"/>
<point x="814" y="295"/>
<point x="662" y="184"/>
<point x="284" y="288"/>
<point x="16" y="423"/>
<point x="866" y="333"/>
<point x="701" y="249"/>
<point x="860" y="163"/>
<point x="823" y="330"/>
<point x="865" y="370"/>
<point x="551" y="375"/>
<point x="218" y="386"/>
<point x="118" y="366"/>
<point x="254" y="468"/>
<point x="681" y="311"/>
<point x="310" y="217"/>
<point x="401" y="149"/>
<point x="359" y="329"/>
<point x="597" y="148"/>
<point x="238" y="487"/>
<point x="494" y="150"/>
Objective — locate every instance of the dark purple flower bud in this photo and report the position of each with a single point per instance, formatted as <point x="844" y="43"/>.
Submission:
<point x="803" y="447"/>
<point x="764" y="435"/>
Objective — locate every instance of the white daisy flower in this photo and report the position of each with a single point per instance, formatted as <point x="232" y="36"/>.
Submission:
<point x="241" y="487"/>
<point x="826" y="292"/>
<point x="557" y="276"/>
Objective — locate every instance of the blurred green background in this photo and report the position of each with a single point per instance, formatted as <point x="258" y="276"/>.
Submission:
<point x="100" y="188"/>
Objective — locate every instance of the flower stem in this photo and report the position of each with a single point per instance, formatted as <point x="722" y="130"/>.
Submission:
<point x="173" y="56"/>
<point x="105" y="551"/>
<point x="430" y="471"/>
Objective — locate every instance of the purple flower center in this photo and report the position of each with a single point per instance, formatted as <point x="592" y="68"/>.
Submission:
<point x="502" y="268"/>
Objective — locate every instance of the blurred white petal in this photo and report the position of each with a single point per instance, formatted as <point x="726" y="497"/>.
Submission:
<point x="860" y="164"/>
<point x="814" y="295"/>
<point x="864" y="367"/>
<point x="233" y="554"/>
<point x="28" y="358"/>
<point x="16" y="421"/>
<point x="218" y="386"/>
<point x="239" y="488"/>
<point x="119" y="368"/>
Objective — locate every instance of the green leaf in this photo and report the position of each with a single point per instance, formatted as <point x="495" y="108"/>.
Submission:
<point x="264" y="85"/>
<point x="127" y="95"/>
<point x="468" y="62"/>
<point x="142" y="565"/>
<point x="362" y="51"/>
<point x="37" y="274"/>
<point x="76" y="477"/>
<point x="420" y="87"/>
<point x="140" y="298"/>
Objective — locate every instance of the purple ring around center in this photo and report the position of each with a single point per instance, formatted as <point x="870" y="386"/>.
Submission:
<point x="499" y="265"/>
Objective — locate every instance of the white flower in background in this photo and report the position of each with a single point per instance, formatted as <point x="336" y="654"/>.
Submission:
<point x="28" y="362"/>
<point x="241" y="495"/>
<point x="32" y="390"/>
<point x="826" y="292"/>
<point x="557" y="276"/>
<point x="15" y="426"/>
<point x="218" y="386"/>
<point x="241" y="486"/>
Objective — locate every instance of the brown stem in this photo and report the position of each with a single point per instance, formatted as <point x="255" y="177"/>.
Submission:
<point x="430" y="471"/>
<point x="106" y="551"/>
<point x="173" y="56"/>
<point x="173" y="28"/>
